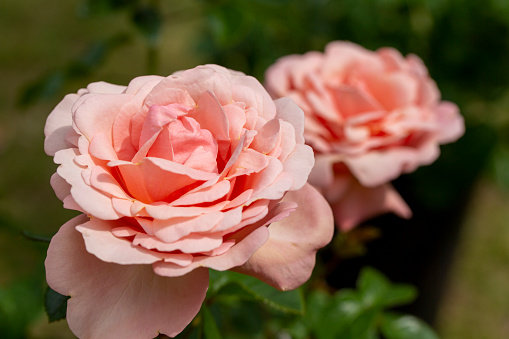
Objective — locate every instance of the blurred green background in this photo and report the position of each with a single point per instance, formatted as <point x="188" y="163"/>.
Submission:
<point x="51" y="48"/>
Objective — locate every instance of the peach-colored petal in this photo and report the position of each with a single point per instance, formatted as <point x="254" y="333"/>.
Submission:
<point x="89" y="199"/>
<point x="237" y="255"/>
<point x="103" y="294"/>
<point x="58" y="125"/>
<point x="196" y="81"/>
<point x="100" y="147"/>
<point x="96" y="113"/>
<point x="102" y="180"/>
<point x="450" y="122"/>
<point x="267" y="137"/>
<point x="163" y="211"/>
<point x="174" y="229"/>
<point x="287" y="259"/>
<point x="288" y="111"/>
<point x="100" y="241"/>
<point x="299" y="163"/>
<point x="143" y="180"/>
<point x="192" y="243"/>
<point x="60" y="186"/>
<point x="248" y="90"/>
<point x="203" y="194"/>
<point x="378" y="167"/>
<point x="105" y="88"/>
<point x="210" y="115"/>
<point x="143" y="84"/>
<point x="360" y="203"/>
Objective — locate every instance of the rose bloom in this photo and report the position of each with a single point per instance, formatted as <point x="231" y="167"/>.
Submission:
<point x="370" y="116"/>
<point x="175" y="175"/>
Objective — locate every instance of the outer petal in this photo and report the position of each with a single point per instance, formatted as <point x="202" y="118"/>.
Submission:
<point x="119" y="301"/>
<point x="380" y="166"/>
<point x="100" y="242"/>
<point x="88" y="198"/>
<point x="450" y="122"/>
<point x="287" y="259"/>
<point x="360" y="203"/>
<point x="58" y="124"/>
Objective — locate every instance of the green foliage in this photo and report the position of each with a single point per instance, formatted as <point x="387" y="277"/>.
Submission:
<point x="249" y="288"/>
<point x="210" y="329"/>
<point x="361" y="313"/>
<point x="397" y="326"/>
<point x="55" y="305"/>
<point x="20" y="303"/>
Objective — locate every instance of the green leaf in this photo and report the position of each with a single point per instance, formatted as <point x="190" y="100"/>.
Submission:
<point x="288" y="301"/>
<point x="45" y="87"/>
<point x="397" y="326"/>
<point x="399" y="294"/>
<point x="20" y="304"/>
<point x="330" y="317"/>
<point x="372" y="286"/>
<point x="210" y="329"/>
<point x="364" y="326"/>
<point x="55" y="304"/>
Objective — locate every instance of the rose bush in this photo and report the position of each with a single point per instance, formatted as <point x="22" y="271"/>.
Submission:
<point x="370" y="116"/>
<point x="201" y="169"/>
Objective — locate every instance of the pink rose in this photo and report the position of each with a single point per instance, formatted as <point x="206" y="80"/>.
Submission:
<point x="175" y="175"/>
<point x="370" y="116"/>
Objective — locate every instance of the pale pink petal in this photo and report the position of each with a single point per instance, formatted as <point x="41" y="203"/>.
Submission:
<point x="60" y="186"/>
<point x="100" y="241"/>
<point x="174" y="229"/>
<point x="195" y="82"/>
<point x="143" y="180"/>
<point x="450" y="123"/>
<point x="70" y="204"/>
<point x="287" y="110"/>
<point x="360" y="203"/>
<point x="248" y="162"/>
<point x="237" y="255"/>
<point x="119" y="301"/>
<point x="159" y="116"/>
<point x="105" y="88"/>
<point x="58" y="125"/>
<point x="101" y="148"/>
<point x="322" y="173"/>
<point x="204" y="194"/>
<point x="143" y="84"/>
<point x="237" y="119"/>
<point x="96" y="113"/>
<point x="378" y="167"/>
<point x="267" y="137"/>
<point x="299" y="164"/>
<point x="248" y="90"/>
<point x="192" y="243"/>
<point x="163" y="211"/>
<point x="351" y="101"/>
<point x="89" y="199"/>
<point x="102" y="180"/>
<point x="211" y="116"/>
<point x="393" y="90"/>
<point x="287" y="259"/>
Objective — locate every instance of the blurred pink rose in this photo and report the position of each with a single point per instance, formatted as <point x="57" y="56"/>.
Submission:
<point x="175" y="175"/>
<point x="370" y="116"/>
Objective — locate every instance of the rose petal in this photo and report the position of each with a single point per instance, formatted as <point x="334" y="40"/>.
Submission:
<point x="58" y="125"/>
<point x="119" y="301"/>
<point x="88" y="198"/>
<point x="360" y="203"/>
<point x="100" y="241"/>
<point x="287" y="259"/>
